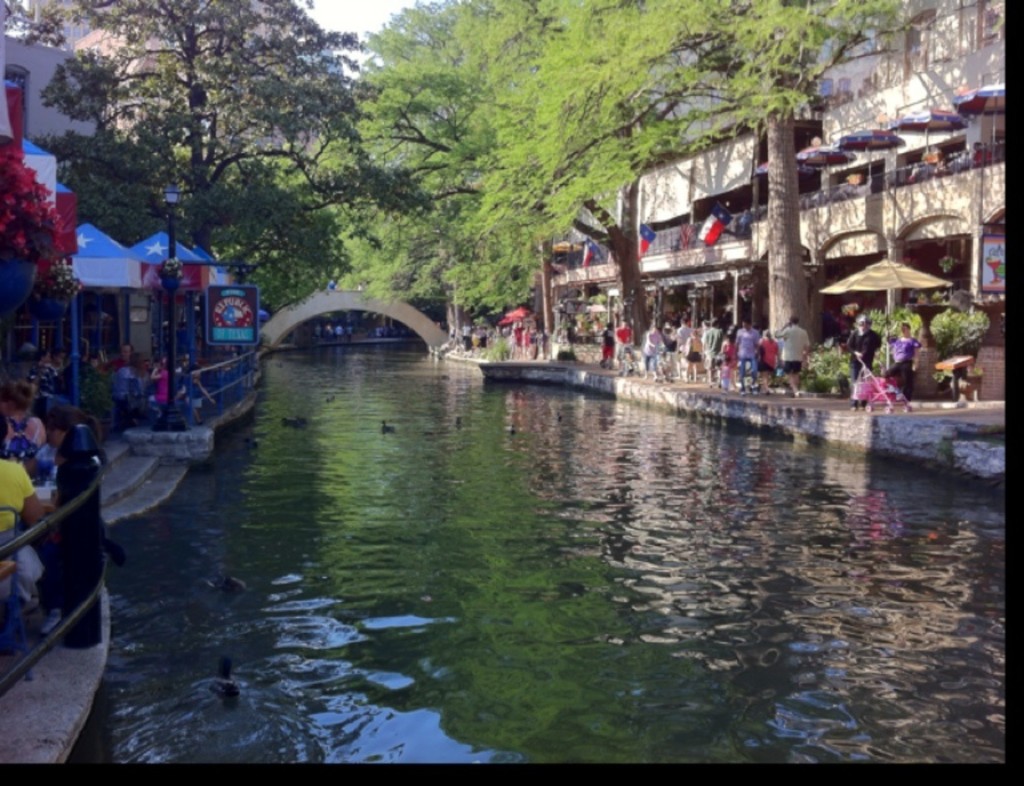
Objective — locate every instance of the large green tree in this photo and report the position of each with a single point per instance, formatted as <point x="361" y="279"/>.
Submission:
<point x="250" y="107"/>
<point x="425" y="106"/>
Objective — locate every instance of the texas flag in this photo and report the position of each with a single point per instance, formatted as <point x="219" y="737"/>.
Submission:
<point x="647" y="236"/>
<point x="589" y="253"/>
<point x="716" y="221"/>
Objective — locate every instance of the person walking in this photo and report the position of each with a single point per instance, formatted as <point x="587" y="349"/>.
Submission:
<point x="862" y="345"/>
<point x="767" y="358"/>
<point x="653" y="343"/>
<point x="796" y="345"/>
<point x="712" y="338"/>
<point x="904" y="349"/>
<point x="623" y="339"/>
<point x="746" y="354"/>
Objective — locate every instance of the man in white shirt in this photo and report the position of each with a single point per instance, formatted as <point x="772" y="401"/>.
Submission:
<point x="795" y="347"/>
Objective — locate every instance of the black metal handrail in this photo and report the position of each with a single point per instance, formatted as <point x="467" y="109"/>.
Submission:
<point x="45" y="525"/>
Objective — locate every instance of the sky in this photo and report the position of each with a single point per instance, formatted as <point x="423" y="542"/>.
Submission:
<point x="357" y="16"/>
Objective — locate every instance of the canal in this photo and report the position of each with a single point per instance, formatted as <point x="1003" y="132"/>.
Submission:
<point x="534" y="574"/>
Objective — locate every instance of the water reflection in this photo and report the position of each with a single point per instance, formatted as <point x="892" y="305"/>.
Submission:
<point x="531" y="574"/>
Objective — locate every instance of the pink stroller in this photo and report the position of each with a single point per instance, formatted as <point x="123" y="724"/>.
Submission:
<point x="875" y="391"/>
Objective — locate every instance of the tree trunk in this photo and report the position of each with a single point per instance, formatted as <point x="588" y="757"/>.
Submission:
<point x="547" y="295"/>
<point x="625" y="244"/>
<point x="787" y="286"/>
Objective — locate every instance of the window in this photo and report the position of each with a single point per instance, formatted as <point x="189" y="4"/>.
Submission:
<point x="992" y="21"/>
<point x="917" y="43"/>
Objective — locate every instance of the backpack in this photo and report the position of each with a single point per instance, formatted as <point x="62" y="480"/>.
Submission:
<point x="19" y="447"/>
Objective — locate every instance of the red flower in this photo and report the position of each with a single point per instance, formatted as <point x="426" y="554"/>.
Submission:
<point x="27" y="221"/>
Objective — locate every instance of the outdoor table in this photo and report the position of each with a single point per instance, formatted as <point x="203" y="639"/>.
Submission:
<point x="958" y="365"/>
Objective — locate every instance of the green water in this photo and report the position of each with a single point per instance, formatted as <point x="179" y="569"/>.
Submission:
<point x="608" y="583"/>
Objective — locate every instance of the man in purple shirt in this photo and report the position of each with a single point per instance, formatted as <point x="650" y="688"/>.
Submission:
<point x="746" y="353"/>
<point x="903" y="350"/>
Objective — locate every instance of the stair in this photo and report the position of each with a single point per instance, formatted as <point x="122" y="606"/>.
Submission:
<point x="132" y="484"/>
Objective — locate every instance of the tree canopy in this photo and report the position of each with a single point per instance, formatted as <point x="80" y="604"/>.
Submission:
<point x="249" y="107"/>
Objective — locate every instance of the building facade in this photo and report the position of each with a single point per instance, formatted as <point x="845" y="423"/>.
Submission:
<point x="937" y="202"/>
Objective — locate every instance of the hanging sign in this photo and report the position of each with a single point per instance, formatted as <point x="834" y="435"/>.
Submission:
<point x="231" y="314"/>
<point x="993" y="263"/>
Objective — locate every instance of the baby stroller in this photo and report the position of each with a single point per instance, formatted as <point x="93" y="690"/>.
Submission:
<point x="629" y="362"/>
<point x="875" y="391"/>
<point x="663" y="368"/>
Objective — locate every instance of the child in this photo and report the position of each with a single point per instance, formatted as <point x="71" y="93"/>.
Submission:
<point x="197" y="389"/>
<point x="728" y="363"/>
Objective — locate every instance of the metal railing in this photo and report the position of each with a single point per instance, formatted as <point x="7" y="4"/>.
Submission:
<point x="47" y="524"/>
<point x="226" y="384"/>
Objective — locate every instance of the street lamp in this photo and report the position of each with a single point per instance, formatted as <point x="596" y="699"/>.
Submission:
<point x="170" y="418"/>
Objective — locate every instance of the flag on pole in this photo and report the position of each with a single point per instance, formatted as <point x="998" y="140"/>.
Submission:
<point x="647" y="236"/>
<point x="716" y="221"/>
<point x="589" y="252"/>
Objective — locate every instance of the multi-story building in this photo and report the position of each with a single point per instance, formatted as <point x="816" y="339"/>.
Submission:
<point x="937" y="202"/>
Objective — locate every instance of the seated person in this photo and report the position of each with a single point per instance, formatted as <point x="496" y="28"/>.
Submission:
<point x="17" y="492"/>
<point x="129" y="392"/>
<point x="24" y="433"/>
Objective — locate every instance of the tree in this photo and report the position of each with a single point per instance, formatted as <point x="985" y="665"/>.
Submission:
<point x="424" y="107"/>
<point x="779" y="51"/>
<point x="250" y="107"/>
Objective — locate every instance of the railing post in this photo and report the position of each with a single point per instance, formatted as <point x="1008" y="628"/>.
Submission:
<point x="81" y="534"/>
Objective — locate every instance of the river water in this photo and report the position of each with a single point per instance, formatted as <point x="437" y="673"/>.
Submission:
<point x="533" y="574"/>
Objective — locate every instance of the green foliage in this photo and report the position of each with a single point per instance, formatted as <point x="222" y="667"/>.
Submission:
<point x="890" y="325"/>
<point x="566" y="354"/>
<point x="958" y="333"/>
<point x="498" y="350"/>
<point x="250" y="107"/>
<point x="824" y="369"/>
<point x="96" y="394"/>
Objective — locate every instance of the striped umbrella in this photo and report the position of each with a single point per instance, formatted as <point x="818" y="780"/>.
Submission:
<point x="871" y="139"/>
<point x="990" y="99"/>
<point x="929" y="120"/>
<point x="823" y="155"/>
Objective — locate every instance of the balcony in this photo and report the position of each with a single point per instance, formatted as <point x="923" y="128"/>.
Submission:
<point x="892" y="202"/>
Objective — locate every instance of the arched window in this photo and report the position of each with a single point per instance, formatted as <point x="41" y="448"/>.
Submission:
<point x="19" y="76"/>
<point x="916" y="50"/>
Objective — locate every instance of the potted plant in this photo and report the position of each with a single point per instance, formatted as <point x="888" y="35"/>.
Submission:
<point x="27" y="228"/>
<point x="54" y="291"/>
<point x="171" y="272"/>
<point x="947" y="263"/>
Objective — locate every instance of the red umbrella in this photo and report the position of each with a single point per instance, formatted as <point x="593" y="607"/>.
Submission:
<point x="516" y="315"/>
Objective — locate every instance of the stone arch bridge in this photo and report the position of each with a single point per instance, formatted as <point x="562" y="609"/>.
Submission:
<point x="287" y="319"/>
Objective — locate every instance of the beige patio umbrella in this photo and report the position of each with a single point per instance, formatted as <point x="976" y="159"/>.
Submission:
<point x="888" y="276"/>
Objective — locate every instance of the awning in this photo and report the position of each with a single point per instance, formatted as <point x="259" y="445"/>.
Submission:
<point x="690" y="278"/>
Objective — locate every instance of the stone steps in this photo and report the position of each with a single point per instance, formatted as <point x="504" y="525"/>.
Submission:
<point x="135" y="484"/>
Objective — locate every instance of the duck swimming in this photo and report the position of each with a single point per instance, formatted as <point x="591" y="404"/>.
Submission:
<point x="227" y="583"/>
<point x="224" y="686"/>
<point x="385" y="428"/>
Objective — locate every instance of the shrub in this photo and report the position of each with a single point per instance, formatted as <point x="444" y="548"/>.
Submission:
<point x="566" y="354"/>
<point x="97" y="392"/>
<point x="959" y="333"/>
<point x="824" y="369"/>
<point x="498" y="350"/>
<point x="890" y="325"/>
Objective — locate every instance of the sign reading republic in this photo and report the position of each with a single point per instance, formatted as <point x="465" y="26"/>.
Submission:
<point x="232" y="314"/>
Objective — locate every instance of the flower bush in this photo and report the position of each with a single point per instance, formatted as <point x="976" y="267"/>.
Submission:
<point x="59" y="282"/>
<point x="172" y="268"/>
<point x="28" y="224"/>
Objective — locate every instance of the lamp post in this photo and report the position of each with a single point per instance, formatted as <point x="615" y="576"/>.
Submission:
<point x="170" y="418"/>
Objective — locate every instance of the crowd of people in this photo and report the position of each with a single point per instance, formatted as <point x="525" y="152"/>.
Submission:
<point x="526" y="339"/>
<point x="32" y="451"/>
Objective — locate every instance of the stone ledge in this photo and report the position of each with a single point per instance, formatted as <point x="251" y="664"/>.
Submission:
<point x="194" y="445"/>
